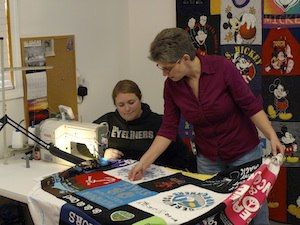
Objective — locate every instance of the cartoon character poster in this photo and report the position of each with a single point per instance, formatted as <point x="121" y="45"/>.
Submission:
<point x="280" y="52"/>
<point x="195" y="18"/>
<point x="282" y="21"/>
<point x="289" y="135"/>
<point x="277" y="7"/>
<point x="281" y="96"/>
<point x="241" y="23"/>
<point x="248" y="61"/>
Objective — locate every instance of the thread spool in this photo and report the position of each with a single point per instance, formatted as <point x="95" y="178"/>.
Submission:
<point x="17" y="141"/>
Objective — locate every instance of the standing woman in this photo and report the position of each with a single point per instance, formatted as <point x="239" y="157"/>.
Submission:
<point x="211" y="95"/>
<point x="133" y="127"/>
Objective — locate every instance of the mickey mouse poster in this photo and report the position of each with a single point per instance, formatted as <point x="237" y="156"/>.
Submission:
<point x="281" y="97"/>
<point x="203" y="27"/>
<point x="288" y="139"/>
<point x="241" y="25"/>
<point x="247" y="60"/>
<point x="280" y="107"/>
<point x="280" y="52"/>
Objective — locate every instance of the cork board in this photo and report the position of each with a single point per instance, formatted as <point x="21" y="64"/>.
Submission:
<point x="61" y="78"/>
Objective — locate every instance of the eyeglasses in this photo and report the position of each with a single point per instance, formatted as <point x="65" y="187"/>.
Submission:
<point x="168" y="69"/>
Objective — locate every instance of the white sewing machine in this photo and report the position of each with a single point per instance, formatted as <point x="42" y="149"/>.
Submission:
<point x="64" y="133"/>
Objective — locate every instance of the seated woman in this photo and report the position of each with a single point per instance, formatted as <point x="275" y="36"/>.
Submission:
<point x="133" y="126"/>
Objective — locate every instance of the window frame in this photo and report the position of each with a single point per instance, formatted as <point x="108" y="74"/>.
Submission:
<point x="16" y="89"/>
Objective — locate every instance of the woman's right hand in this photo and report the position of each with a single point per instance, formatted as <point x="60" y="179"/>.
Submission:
<point x="158" y="146"/>
<point x="137" y="172"/>
<point x="112" y="153"/>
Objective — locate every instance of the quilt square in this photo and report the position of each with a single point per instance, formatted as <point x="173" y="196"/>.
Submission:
<point x="94" y="179"/>
<point x="152" y="173"/>
<point x="117" y="194"/>
<point x="247" y="59"/>
<point x="280" y="52"/>
<point x="203" y="28"/>
<point x="182" y="204"/>
<point x="278" y="7"/>
<point x="241" y="25"/>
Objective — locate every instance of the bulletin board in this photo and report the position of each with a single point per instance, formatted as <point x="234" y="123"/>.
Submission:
<point x="58" y="53"/>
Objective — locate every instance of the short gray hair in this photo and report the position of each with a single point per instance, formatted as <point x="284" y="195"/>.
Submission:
<point x="170" y="45"/>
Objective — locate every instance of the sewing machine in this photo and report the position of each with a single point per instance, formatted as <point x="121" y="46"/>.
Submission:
<point x="65" y="134"/>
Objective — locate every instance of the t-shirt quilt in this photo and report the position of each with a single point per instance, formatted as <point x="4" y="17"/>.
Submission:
<point x="104" y="195"/>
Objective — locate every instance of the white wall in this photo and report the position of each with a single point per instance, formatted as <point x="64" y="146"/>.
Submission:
<point x="101" y="37"/>
<point x="146" y="19"/>
<point x="112" y="39"/>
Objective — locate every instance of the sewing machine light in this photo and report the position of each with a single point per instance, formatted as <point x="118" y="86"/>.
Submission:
<point x="66" y="112"/>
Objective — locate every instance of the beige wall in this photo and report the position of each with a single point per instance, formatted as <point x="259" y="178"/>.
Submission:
<point x="112" y="38"/>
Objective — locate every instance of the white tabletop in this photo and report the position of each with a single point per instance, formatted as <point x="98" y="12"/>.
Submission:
<point x="17" y="181"/>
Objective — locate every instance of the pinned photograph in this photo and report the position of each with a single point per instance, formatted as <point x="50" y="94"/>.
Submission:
<point x="49" y="47"/>
<point x="34" y="53"/>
